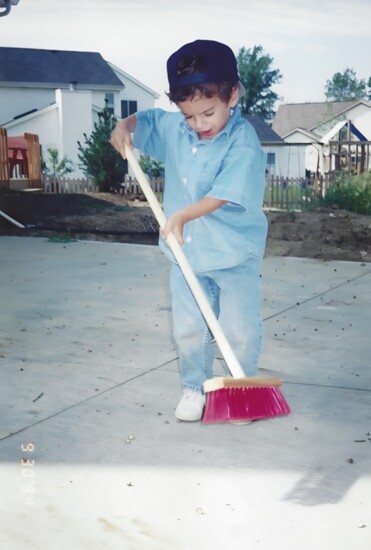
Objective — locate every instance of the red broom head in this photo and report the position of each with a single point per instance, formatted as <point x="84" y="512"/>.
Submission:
<point x="244" y="403"/>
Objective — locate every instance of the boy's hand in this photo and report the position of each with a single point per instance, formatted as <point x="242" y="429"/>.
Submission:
<point x="175" y="225"/>
<point x="122" y="134"/>
<point x="176" y="221"/>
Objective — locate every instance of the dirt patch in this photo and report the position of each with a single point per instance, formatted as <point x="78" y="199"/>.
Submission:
<point x="327" y="234"/>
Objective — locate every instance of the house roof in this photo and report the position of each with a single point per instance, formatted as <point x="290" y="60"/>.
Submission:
<point x="307" y="133"/>
<point x="263" y="130"/>
<point x="56" y="68"/>
<point x="127" y="76"/>
<point x="308" y="115"/>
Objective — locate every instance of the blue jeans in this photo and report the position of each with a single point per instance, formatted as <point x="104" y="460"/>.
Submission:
<point x="234" y="296"/>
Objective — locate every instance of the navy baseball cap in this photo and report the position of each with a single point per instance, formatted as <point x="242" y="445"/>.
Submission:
<point x="218" y="62"/>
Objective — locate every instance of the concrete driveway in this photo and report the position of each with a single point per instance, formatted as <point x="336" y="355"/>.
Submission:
<point x="91" y="454"/>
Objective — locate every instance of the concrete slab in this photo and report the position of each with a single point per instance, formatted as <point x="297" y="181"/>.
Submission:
<point x="91" y="454"/>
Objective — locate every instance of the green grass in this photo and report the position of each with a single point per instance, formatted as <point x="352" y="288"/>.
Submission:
<point x="63" y="239"/>
<point x="352" y="193"/>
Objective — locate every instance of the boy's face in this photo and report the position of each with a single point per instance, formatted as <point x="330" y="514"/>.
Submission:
<point x="207" y="116"/>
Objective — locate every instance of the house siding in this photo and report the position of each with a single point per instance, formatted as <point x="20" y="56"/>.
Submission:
<point x="15" y="101"/>
<point x="363" y="123"/>
<point x="75" y="119"/>
<point x="289" y="160"/>
<point x="133" y="91"/>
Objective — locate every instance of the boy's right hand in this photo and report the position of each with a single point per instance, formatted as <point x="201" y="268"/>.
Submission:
<point x="122" y="134"/>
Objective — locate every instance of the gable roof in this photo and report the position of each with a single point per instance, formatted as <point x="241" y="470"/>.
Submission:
<point x="56" y="69"/>
<point x="311" y="135"/>
<point x="263" y="130"/>
<point x="309" y="115"/>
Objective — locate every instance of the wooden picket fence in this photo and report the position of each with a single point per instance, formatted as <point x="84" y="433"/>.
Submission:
<point x="68" y="185"/>
<point x="294" y="193"/>
<point x="20" y="161"/>
<point x="280" y="193"/>
<point x="4" y="163"/>
<point x="129" y="187"/>
<point x="132" y="187"/>
<point x="34" y="160"/>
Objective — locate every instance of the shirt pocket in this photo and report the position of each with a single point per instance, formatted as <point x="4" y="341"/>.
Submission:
<point x="203" y="177"/>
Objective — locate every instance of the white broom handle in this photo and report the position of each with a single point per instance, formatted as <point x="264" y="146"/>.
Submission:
<point x="12" y="220"/>
<point x="194" y="285"/>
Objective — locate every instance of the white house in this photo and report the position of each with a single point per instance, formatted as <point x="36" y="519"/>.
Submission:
<point x="315" y="125"/>
<point x="57" y="94"/>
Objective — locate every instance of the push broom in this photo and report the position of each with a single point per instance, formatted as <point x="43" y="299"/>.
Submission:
<point x="235" y="398"/>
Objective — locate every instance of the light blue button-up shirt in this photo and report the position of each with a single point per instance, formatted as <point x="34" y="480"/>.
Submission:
<point x="229" y="167"/>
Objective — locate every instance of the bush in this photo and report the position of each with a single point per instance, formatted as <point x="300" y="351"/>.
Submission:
<point x="56" y="167"/>
<point x="99" y="159"/>
<point x="351" y="193"/>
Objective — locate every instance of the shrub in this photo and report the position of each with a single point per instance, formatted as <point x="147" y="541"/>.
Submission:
<point x="56" y="167"/>
<point x="99" y="159"/>
<point x="351" y="193"/>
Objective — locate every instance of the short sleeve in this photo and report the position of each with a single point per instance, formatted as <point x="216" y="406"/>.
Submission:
<point x="150" y="133"/>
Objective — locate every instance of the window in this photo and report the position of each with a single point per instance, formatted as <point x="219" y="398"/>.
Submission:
<point x="271" y="158"/>
<point x="110" y="102"/>
<point x="271" y="164"/>
<point x="128" y="108"/>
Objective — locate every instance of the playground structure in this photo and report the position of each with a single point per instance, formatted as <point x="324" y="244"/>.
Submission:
<point x="353" y="157"/>
<point x="20" y="161"/>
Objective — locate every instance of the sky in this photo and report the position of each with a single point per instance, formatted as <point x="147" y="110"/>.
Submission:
<point x="309" y="41"/>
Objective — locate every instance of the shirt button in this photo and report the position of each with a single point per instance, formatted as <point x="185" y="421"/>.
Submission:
<point x="185" y="180"/>
<point x="188" y="239"/>
<point x="194" y="150"/>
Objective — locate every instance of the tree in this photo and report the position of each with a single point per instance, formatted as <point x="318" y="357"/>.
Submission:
<point x="257" y="76"/>
<point x="55" y="167"/>
<point x="346" y="87"/>
<point x="98" y="158"/>
<point x="369" y="89"/>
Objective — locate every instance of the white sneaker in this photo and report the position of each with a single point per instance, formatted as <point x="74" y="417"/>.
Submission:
<point x="191" y="406"/>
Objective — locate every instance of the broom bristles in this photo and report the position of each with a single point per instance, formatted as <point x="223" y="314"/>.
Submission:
<point x="241" y="400"/>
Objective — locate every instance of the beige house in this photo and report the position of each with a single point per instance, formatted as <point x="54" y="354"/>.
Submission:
<point x="334" y="133"/>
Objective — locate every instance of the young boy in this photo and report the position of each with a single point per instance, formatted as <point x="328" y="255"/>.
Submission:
<point x="215" y="178"/>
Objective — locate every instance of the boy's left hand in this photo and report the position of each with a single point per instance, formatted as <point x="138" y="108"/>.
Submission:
<point x="176" y="221"/>
<point x="175" y="225"/>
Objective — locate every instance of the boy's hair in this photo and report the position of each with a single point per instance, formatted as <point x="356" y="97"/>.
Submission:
<point x="193" y="64"/>
<point x="203" y="66"/>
